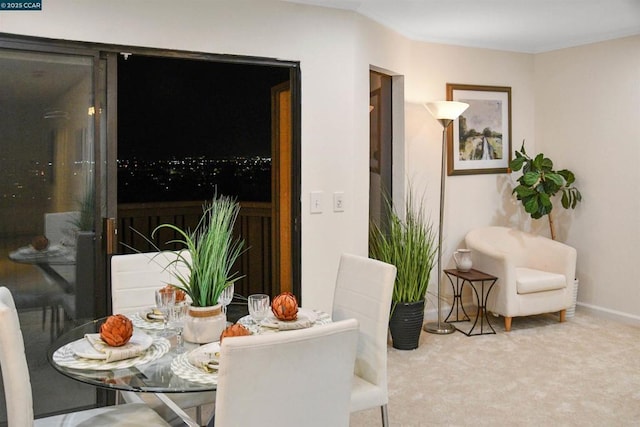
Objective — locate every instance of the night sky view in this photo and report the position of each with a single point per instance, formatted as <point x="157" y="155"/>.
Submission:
<point x="171" y="107"/>
<point x="190" y="128"/>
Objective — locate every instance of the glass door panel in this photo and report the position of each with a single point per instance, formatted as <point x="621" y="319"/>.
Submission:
<point x="47" y="207"/>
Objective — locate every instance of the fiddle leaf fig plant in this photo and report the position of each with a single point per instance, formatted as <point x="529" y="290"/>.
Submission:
<point x="539" y="183"/>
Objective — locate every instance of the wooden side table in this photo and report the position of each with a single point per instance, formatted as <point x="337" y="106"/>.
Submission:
<point x="476" y="280"/>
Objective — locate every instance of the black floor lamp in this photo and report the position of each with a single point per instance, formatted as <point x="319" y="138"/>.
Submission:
<point x="445" y="112"/>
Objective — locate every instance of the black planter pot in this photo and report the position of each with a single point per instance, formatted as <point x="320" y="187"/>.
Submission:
<point x="405" y="324"/>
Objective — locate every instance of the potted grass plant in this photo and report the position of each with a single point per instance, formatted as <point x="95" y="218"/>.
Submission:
<point x="203" y="269"/>
<point x="409" y="243"/>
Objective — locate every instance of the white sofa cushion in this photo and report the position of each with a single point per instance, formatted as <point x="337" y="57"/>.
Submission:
<point x="529" y="280"/>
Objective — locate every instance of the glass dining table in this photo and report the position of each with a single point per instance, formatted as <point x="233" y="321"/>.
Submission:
<point x="151" y="371"/>
<point x="46" y="260"/>
<point x="161" y="368"/>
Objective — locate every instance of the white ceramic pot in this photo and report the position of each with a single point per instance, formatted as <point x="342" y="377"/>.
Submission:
<point x="462" y="257"/>
<point x="571" y="311"/>
<point x="203" y="325"/>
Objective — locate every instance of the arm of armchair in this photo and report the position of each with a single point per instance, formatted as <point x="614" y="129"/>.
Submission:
<point x="488" y="259"/>
<point x="552" y="256"/>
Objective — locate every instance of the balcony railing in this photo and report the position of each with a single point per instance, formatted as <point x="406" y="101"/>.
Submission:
<point x="137" y="221"/>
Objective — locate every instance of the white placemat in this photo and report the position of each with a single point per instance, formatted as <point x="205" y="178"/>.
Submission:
<point x="140" y="322"/>
<point x="321" y="318"/>
<point x="65" y="356"/>
<point x="181" y="367"/>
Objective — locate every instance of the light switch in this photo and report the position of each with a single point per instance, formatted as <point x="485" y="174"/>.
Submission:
<point x="316" y="202"/>
<point x="338" y="201"/>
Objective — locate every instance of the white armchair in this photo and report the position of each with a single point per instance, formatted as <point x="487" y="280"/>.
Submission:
<point x="535" y="274"/>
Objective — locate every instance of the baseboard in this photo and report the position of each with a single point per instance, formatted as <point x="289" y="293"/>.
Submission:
<point x="431" y="314"/>
<point x="609" y="314"/>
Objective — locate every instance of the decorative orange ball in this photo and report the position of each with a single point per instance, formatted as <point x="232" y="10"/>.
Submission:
<point x="40" y="243"/>
<point x="180" y="294"/>
<point x="285" y="306"/>
<point x="235" y="330"/>
<point x="116" y="330"/>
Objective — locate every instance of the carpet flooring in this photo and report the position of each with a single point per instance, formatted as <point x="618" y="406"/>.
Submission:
<point x="583" y="372"/>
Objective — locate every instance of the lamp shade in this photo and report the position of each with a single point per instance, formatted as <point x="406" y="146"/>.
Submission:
<point x="448" y="110"/>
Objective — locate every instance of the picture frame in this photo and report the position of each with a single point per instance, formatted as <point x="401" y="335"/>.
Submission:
<point x="482" y="133"/>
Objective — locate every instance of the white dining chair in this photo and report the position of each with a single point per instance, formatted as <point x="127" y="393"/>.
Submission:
<point x="74" y="303"/>
<point x="134" y="279"/>
<point x="287" y="379"/>
<point x="364" y="288"/>
<point x="17" y="385"/>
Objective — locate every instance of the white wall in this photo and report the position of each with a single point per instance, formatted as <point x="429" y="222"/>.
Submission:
<point x="336" y="49"/>
<point x="334" y="77"/>
<point x="471" y="200"/>
<point x="587" y="120"/>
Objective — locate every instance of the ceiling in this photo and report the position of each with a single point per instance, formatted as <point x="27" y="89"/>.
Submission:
<point x="530" y="26"/>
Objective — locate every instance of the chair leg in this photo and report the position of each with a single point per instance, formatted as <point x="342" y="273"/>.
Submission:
<point x="507" y="323"/>
<point x="385" y="416"/>
<point x="563" y="315"/>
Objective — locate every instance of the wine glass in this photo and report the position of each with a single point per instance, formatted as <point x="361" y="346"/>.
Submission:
<point x="226" y="297"/>
<point x="258" y="307"/>
<point x="178" y="313"/>
<point x="165" y="300"/>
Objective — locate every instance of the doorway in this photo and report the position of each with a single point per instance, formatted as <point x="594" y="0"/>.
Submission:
<point x="380" y="147"/>
<point x="59" y="156"/>
<point x="189" y="128"/>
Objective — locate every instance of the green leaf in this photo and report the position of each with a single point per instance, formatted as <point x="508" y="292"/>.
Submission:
<point x="523" y="191"/>
<point x="577" y="197"/>
<point x="565" y="199"/>
<point x="545" y="200"/>
<point x="545" y="210"/>
<point x="568" y="176"/>
<point x="531" y="205"/>
<point x="556" y="178"/>
<point x="537" y="162"/>
<point x="516" y="164"/>
<point x="546" y="164"/>
<point x="522" y="148"/>
<point x="531" y="178"/>
<point x="536" y="215"/>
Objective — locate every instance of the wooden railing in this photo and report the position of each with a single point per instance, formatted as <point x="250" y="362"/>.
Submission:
<point x="137" y="221"/>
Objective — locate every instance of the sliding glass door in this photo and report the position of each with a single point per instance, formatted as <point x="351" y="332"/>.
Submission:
<point x="50" y="206"/>
<point x="59" y="156"/>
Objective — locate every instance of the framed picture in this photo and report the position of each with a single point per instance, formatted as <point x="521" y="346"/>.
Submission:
<point x="480" y="139"/>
